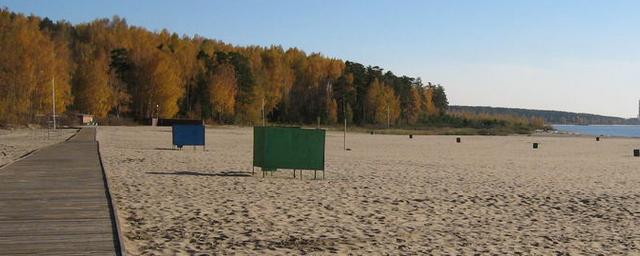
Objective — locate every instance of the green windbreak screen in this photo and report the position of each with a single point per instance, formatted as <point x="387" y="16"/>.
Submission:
<point x="288" y="148"/>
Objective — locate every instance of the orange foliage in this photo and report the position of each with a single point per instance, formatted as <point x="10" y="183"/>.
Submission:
<point x="222" y="90"/>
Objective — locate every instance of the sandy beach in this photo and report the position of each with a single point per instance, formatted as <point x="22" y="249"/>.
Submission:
<point x="388" y="195"/>
<point x="18" y="142"/>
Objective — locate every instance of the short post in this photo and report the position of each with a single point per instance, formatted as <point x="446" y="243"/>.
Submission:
<point x="636" y="152"/>
<point x="410" y="136"/>
<point x="597" y="138"/>
<point x="535" y="145"/>
<point x="371" y="132"/>
<point x="458" y="140"/>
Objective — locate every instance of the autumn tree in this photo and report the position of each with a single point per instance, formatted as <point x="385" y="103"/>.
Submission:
<point x="279" y="78"/>
<point x="91" y="84"/>
<point x="159" y="84"/>
<point x="222" y="91"/>
<point x="28" y="70"/>
<point x="428" y="106"/>
<point x="60" y="33"/>
<point x="412" y="112"/>
<point x="382" y="103"/>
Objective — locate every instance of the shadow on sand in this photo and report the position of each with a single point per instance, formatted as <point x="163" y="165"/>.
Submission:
<point x="219" y="174"/>
<point x="164" y="149"/>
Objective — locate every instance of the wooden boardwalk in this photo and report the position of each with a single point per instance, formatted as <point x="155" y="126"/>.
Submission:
<point x="56" y="202"/>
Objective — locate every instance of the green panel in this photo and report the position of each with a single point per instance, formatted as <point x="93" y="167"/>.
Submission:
<point x="288" y="148"/>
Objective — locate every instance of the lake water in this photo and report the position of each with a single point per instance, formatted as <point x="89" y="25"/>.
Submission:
<point x="608" y="130"/>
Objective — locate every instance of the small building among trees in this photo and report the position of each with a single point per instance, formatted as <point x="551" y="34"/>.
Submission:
<point x="85" y="119"/>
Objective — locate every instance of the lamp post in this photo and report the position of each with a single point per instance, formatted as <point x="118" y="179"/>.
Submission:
<point x="264" y="122"/>
<point x="344" y="115"/>
<point x="53" y="100"/>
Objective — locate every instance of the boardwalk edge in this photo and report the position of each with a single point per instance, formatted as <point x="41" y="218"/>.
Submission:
<point x="114" y="209"/>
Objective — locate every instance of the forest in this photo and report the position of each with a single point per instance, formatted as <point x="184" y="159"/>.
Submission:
<point x="114" y="70"/>
<point x="548" y="116"/>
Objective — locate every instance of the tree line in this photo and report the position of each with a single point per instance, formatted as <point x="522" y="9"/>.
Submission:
<point x="549" y="116"/>
<point x="109" y="68"/>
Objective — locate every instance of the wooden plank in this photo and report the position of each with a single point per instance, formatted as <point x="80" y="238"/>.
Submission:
<point x="54" y="239"/>
<point x="53" y="194"/>
<point x="59" y="248"/>
<point x="54" y="227"/>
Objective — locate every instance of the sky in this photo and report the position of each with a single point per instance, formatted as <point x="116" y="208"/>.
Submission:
<point x="569" y="55"/>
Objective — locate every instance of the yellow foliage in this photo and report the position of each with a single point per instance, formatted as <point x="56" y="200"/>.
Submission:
<point x="93" y="94"/>
<point x="223" y="89"/>
<point x="429" y="107"/>
<point x="413" y="110"/>
<point x="161" y="83"/>
<point x="382" y="103"/>
<point x="27" y="69"/>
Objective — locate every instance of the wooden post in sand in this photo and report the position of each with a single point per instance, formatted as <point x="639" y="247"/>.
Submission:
<point x="597" y="138"/>
<point x="410" y="136"/>
<point x="636" y="152"/>
<point x="458" y="140"/>
<point x="535" y="145"/>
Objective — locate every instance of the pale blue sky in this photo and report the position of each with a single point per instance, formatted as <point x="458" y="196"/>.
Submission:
<point x="579" y="55"/>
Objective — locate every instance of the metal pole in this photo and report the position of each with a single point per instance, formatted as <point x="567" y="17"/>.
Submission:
<point x="53" y="97"/>
<point x="344" y="115"/>
<point x="263" y="120"/>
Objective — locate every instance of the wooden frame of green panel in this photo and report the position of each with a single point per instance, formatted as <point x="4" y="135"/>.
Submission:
<point x="288" y="148"/>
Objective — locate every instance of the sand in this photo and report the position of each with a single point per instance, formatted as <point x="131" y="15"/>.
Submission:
<point x="16" y="143"/>
<point x="388" y="195"/>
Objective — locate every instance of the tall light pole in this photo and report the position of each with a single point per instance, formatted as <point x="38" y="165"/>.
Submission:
<point x="53" y="92"/>
<point x="344" y="115"/>
<point x="53" y="97"/>
<point x="264" y="122"/>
